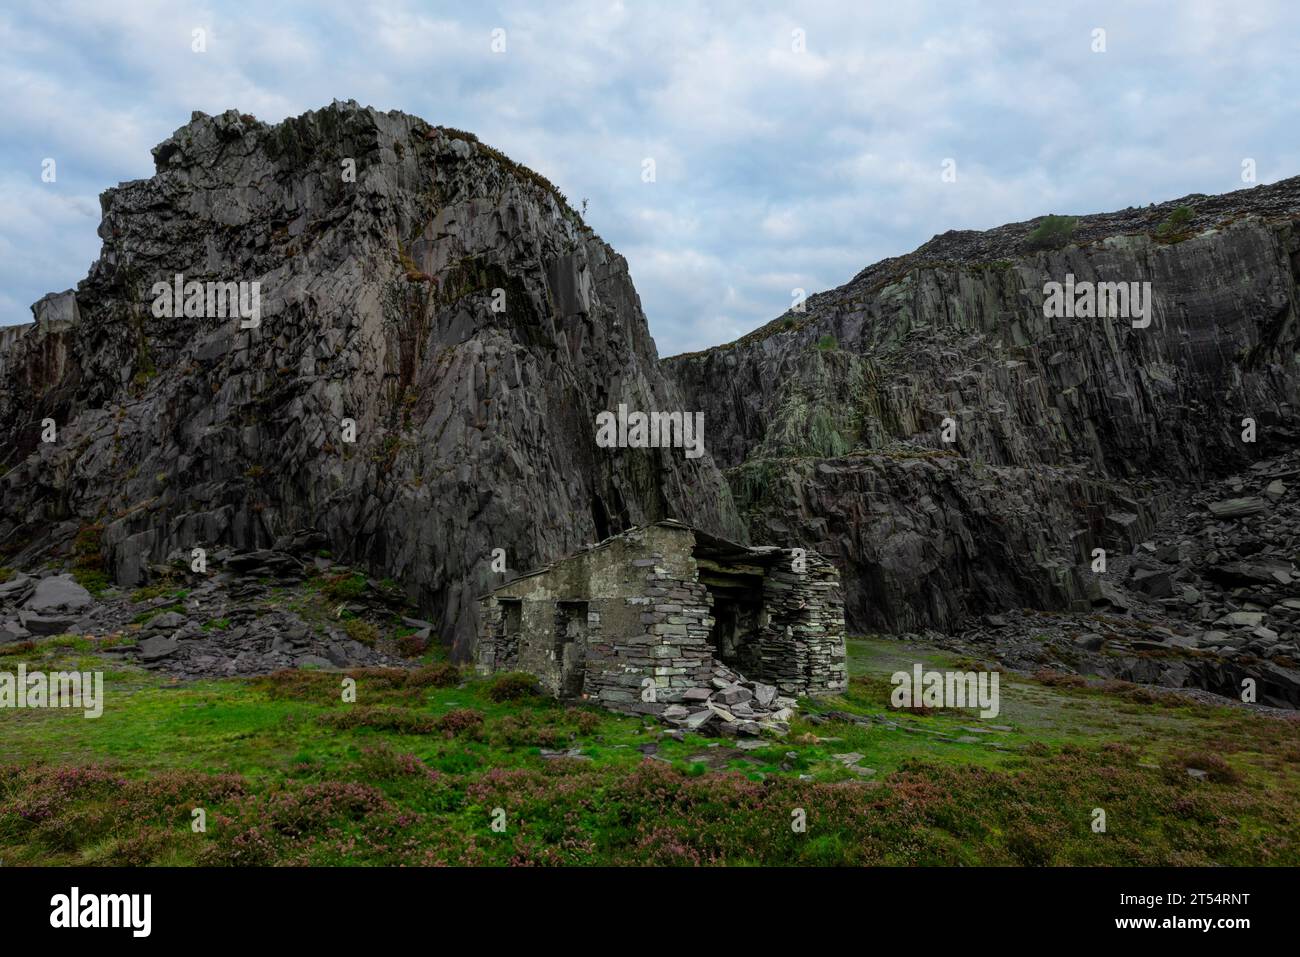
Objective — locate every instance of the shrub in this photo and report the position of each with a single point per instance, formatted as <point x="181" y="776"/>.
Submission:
<point x="512" y="686"/>
<point x="1130" y="691"/>
<point x="1216" y="769"/>
<point x="382" y="763"/>
<point x="827" y="343"/>
<point x="299" y="685"/>
<point x="587" y="721"/>
<point x="1177" y="227"/>
<point x="459" y="721"/>
<point x="1057" y="679"/>
<point x="398" y="720"/>
<point x="521" y="730"/>
<point x="441" y="675"/>
<point x="150" y="592"/>
<point x="412" y="645"/>
<point x="361" y="630"/>
<point x="1052" y="233"/>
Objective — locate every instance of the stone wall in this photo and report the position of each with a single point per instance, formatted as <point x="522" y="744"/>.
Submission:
<point x="671" y="643"/>
<point x="802" y="646"/>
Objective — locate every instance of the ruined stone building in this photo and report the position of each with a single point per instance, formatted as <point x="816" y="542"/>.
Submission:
<point x="677" y="606"/>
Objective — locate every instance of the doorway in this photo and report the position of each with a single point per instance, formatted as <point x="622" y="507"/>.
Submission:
<point x="571" y="646"/>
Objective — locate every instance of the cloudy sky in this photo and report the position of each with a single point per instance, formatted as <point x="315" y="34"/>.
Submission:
<point x="794" y="144"/>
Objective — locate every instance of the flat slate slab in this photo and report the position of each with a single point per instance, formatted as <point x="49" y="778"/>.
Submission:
<point x="58" y="593"/>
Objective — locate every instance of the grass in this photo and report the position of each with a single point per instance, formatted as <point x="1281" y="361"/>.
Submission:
<point x="88" y="560"/>
<point x="344" y="587"/>
<point x="289" y="772"/>
<point x="144" y="617"/>
<point x="150" y="592"/>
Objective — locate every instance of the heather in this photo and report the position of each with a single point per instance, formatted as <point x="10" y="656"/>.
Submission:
<point x="411" y="773"/>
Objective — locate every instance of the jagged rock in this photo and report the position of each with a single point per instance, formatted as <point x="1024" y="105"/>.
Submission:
<point x="1091" y="641"/>
<point x="699" y="720"/>
<point x="955" y="448"/>
<point x="375" y="306"/>
<point x="830" y="425"/>
<point x="732" y="694"/>
<point x="17" y="589"/>
<point x="1156" y="584"/>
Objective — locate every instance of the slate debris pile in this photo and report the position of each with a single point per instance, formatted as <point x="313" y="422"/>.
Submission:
<point x="32" y="606"/>
<point x="1212" y="597"/>
<point x="222" y="624"/>
<point x="731" y="705"/>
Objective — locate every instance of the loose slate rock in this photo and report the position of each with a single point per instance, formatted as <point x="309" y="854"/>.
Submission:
<point x="160" y="646"/>
<point x="58" y="593"/>
<point x="1238" y="507"/>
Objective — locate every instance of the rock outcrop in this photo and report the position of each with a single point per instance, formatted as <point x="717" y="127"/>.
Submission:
<point x="1066" y="434"/>
<point x="414" y="381"/>
<point x="418" y="293"/>
<point x="1209" y="601"/>
<point x="250" y="613"/>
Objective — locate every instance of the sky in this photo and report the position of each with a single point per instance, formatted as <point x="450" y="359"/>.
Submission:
<point x="793" y="144"/>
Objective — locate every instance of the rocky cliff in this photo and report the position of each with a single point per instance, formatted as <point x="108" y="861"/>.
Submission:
<point x="1064" y="434"/>
<point x="436" y="331"/>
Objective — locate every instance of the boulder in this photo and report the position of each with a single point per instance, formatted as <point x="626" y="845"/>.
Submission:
<point x="58" y="594"/>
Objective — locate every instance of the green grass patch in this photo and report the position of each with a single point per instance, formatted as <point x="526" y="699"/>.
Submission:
<point x="291" y="771"/>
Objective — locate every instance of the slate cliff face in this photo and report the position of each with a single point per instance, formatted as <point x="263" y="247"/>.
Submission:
<point x="473" y="427"/>
<point x="1070" y="434"/>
